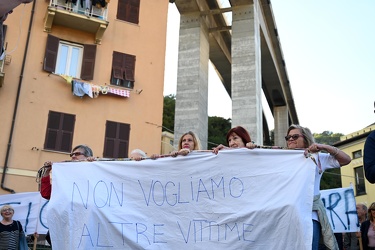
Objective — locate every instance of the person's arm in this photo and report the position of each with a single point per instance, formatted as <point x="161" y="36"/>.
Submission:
<point x="45" y="187"/>
<point x="339" y="155"/>
<point x="369" y="158"/>
<point x="216" y="149"/>
<point x="45" y="182"/>
<point x="8" y="5"/>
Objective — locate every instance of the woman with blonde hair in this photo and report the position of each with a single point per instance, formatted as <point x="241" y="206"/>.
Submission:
<point x="10" y="229"/>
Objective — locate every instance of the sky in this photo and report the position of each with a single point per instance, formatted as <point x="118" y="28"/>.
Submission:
<point x="329" y="51"/>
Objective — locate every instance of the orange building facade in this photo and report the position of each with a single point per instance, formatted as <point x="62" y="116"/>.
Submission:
<point x="85" y="73"/>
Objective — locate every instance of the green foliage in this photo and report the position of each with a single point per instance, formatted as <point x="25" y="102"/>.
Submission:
<point x="168" y="112"/>
<point x="331" y="177"/>
<point x="217" y="131"/>
<point x="327" y="137"/>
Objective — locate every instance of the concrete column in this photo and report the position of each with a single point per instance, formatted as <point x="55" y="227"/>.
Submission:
<point x="281" y="124"/>
<point x="192" y="79"/>
<point x="246" y="72"/>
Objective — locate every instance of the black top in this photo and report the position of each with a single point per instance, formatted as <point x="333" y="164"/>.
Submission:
<point x="9" y="235"/>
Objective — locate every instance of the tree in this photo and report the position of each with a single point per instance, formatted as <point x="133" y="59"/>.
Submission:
<point x="217" y="126"/>
<point x="217" y="131"/>
<point x="168" y="112"/>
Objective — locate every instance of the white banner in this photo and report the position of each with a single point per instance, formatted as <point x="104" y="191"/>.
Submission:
<point x="238" y="199"/>
<point x="29" y="209"/>
<point x="341" y="209"/>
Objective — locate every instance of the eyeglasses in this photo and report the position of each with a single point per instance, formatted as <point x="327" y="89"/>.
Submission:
<point x="7" y="210"/>
<point x="76" y="154"/>
<point x="294" y="137"/>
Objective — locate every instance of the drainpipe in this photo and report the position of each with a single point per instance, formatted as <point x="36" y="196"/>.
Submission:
<point x="16" y="103"/>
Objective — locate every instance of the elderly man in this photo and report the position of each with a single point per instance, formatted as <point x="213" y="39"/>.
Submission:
<point x="79" y="153"/>
<point x="351" y="240"/>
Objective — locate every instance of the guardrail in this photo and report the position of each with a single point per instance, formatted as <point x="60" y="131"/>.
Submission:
<point x="83" y="7"/>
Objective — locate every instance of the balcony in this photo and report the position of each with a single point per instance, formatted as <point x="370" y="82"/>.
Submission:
<point x="85" y="18"/>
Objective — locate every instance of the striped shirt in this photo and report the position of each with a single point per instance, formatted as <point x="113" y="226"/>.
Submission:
<point x="9" y="236"/>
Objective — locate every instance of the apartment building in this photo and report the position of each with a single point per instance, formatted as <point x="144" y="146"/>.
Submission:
<point x="353" y="174"/>
<point x="79" y="72"/>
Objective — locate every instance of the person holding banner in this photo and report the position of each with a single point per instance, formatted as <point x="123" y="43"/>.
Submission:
<point x="10" y="230"/>
<point x="79" y="153"/>
<point x="237" y="137"/>
<point x="137" y="155"/>
<point x="187" y="143"/>
<point x="299" y="137"/>
<point x="368" y="230"/>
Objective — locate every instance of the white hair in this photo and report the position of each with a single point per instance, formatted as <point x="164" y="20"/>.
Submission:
<point x="138" y="151"/>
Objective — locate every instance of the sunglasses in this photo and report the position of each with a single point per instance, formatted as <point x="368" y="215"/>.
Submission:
<point x="76" y="154"/>
<point x="294" y="137"/>
<point x="7" y="210"/>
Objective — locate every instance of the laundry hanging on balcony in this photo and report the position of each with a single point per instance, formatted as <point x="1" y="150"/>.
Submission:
<point x="81" y="88"/>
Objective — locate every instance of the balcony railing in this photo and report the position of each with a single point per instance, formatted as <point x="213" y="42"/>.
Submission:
<point x="81" y="16"/>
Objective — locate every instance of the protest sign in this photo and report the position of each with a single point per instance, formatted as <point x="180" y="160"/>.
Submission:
<point x="29" y="209"/>
<point x="341" y="209"/>
<point x="238" y="199"/>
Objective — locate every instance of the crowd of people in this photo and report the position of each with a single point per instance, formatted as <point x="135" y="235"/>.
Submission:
<point x="297" y="137"/>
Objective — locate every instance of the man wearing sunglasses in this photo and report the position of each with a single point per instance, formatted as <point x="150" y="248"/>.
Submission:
<point x="79" y="153"/>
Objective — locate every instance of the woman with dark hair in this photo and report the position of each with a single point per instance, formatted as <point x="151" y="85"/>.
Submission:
<point x="237" y="137"/>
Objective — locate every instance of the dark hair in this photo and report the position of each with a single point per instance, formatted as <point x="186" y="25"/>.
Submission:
<point x="86" y="150"/>
<point x="241" y="132"/>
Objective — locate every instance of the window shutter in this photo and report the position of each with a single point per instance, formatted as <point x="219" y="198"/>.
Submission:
<point x="129" y="75"/>
<point x="59" y="135"/>
<point x="88" y="62"/>
<point x="133" y="12"/>
<point x="128" y="10"/>
<point x="116" y="142"/>
<point x="117" y="65"/>
<point x="117" y="73"/>
<point x="129" y="67"/>
<point x="52" y="130"/>
<point x="50" y="55"/>
<point x="121" y="10"/>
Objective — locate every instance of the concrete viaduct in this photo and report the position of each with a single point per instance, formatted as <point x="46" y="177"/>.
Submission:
<point x="248" y="59"/>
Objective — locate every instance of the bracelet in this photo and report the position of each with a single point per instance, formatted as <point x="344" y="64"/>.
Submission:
<point x="336" y="152"/>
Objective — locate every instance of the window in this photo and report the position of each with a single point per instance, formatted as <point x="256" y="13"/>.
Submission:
<point x="123" y="66"/>
<point x="128" y="10"/>
<point x="116" y="143"/>
<point x="357" y="154"/>
<point x="63" y="57"/>
<point x="359" y="181"/>
<point x="59" y="135"/>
